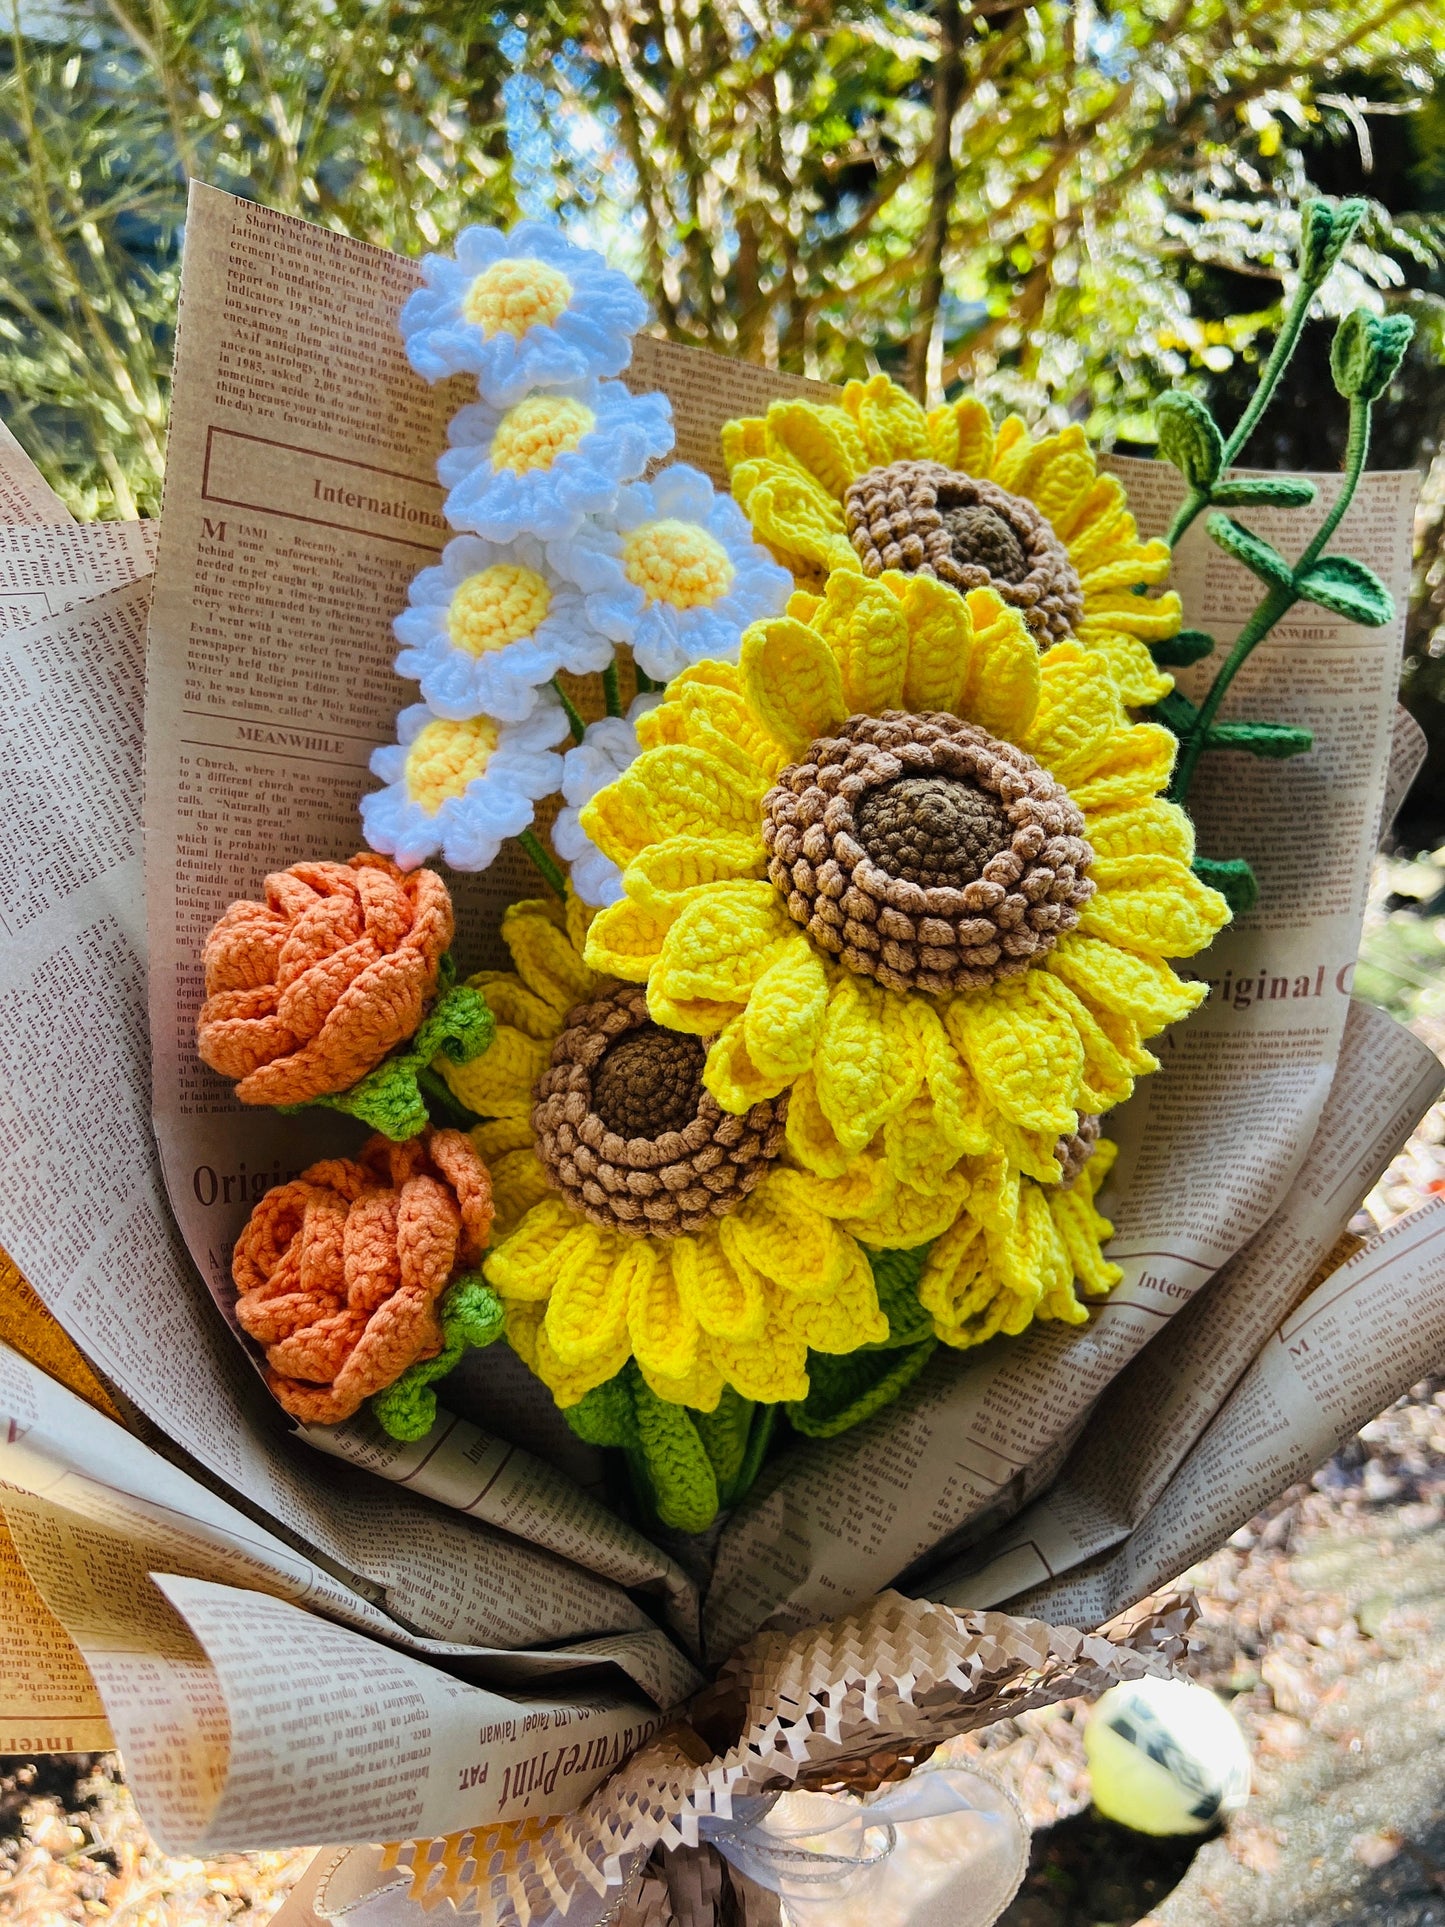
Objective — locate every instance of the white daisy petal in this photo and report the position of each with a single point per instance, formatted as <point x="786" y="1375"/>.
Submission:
<point x="461" y="786"/>
<point x="538" y="466"/>
<point x="520" y="310"/>
<point x="672" y="570"/>
<point x="490" y="625"/>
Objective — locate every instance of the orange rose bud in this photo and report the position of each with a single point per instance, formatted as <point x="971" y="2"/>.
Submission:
<point x="308" y="991"/>
<point x="339" y="1271"/>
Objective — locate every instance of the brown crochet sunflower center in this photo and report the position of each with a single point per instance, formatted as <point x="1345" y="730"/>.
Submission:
<point x="926" y="519"/>
<point x="628" y="1135"/>
<point x="925" y="853"/>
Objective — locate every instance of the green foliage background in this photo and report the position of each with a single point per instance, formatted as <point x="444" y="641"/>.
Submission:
<point x="1068" y="207"/>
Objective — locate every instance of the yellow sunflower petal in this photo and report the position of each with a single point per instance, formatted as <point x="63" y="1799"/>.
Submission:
<point x="1138" y="562"/>
<point x="812" y="1139"/>
<point x="716" y="950"/>
<point x="501" y="1135"/>
<point x="1108" y="1073"/>
<point x="782" y="1234"/>
<point x="794" y="516"/>
<point x="1142" y="988"/>
<point x="851" y="1315"/>
<point x="960" y="1286"/>
<point x="547" y="961"/>
<point x="743" y="439"/>
<point x="524" y="1265"/>
<point x="664" y="1331"/>
<point x="1152" y="904"/>
<point x="1140" y="681"/>
<point x="1080" y="722"/>
<point x="718" y="721"/>
<point x="626" y="939"/>
<point x="959" y="1114"/>
<point x="893" y="426"/>
<point x="960" y="435"/>
<point x="1081" y="1227"/>
<point x="821" y="439"/>
<point x="864" y="627"/>
<point x="527" y="1335"/>
<point x="940" y="640"/>
<point x="510" y="1002"/>
<point x="665" y="877"/>
<point x="793" y="682"/>
<point x="1061" y="478"/>
<point x="919" y="1151"/>
<point x="1102" y="524"/>
<point x="908" y="1216"/>
<point x="771" y="1368"/>
<point x="1135" y="762"/>
<point x="872" y="1057"/>
<point x="674" y="790"/>
<point x="731" y="1074"/>
<point x="499" y="1082"/>
<point x="1001" y="688"/>
<point x="587" y="1309"/>
<point x="1013" y="449"/>
<point x="1116" y="611"/>
<point x="859" y="1192"/>
<point x="1042" y="1252"/>
<point x="727" y="1300"/>
<point x="518" y="1182"/>
<point x="1023" y="1047"/>
<point x="785" y="1012"/>
<point x="700" y="1386"/>
<point x="1148" y="827"/>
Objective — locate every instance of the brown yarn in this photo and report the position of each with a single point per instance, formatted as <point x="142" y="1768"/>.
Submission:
<point x="926" y="519"/>
<point x="861" y="835"/>
<point x="1076" y="1148"/>
<point x="626" y="1132"/>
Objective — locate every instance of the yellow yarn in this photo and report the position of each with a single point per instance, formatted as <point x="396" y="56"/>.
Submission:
<point x="740" y="1303"/>
<point x="497" y="606"/>
<point x="536" y="431"/>
<point x="910" y="1081"/>
<point x="512" y="296"/>
<point x="445" y="757"/>
<point x="678" y="563"/>
<point x="791" y="468"/>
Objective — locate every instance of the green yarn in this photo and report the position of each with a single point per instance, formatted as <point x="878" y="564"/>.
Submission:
<point x="895" y="1277"/>
<point x="842" y="1392"/>
<point x="1232" y="877"/>
<point x="681" y="1483"/>
<point x="724" y="1434"/>
<point x="389" y="1099"/>
<point x="471" y="1316"/>
<point x="604" y="1416"/>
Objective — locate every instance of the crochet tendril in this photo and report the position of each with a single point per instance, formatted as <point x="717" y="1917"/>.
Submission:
<point x="390" y="1098"/>
<point x="471" y="1317"/>
<point x="1365" y="357"/>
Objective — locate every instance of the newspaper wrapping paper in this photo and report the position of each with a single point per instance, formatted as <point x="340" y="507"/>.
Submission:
<point x="901" y="1675"/>
<point x="104" y="1256"/>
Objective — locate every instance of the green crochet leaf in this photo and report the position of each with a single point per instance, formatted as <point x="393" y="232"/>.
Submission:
<point x="1232" y="878"/>
<point x="389" y="1099"/>
<point x="1178" y="651"/>
<point x="1188" y="437"/>
<point x="679" y="1476"/>
<point x="842" y="1392"/>
<point x="1176" y="712"/>
<point x="1367" y="351"/>
<point x="605" y="1415"/>
<point x="1276" y="740"/>
<point x="1349" y="589"/>
<point x="1257" y="555"/>
<point x="471" y="1316"/>
<point x="724" y="1434"/>
<point x="895" y="1276"/>
<point x="1325" y="231"/>
<point x="1280" y="491"/>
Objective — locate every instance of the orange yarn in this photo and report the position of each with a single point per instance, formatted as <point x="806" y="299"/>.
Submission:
<point x="339" y="1271"/>
<point x="308" y="991"/>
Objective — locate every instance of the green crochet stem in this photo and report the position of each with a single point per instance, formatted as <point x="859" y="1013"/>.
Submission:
<point x="574" y="715"/>
<point x="1366" y="354"/>
<point x="544" y="862"/>
<point x="471" y="1316"/>
<point x="389" y="1099"/>
<point x="612" y="689"/>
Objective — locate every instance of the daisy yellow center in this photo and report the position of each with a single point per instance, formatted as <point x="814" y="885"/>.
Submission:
<point x="534" y="433"/>
<point x="497" y="606"/>
<point x="446" y="757"/>
<point x="677" y="562"/>
<point x="513" y="296"/>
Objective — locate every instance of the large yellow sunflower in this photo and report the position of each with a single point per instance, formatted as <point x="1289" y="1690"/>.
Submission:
<point x="873" y="482"/>
<point x="635" y="1217"/>
<point x="913" y="871"/>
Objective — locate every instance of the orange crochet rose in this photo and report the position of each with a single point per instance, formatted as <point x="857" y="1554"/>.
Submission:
<point x="339" y="1271"/>
<point x="308" y="991"/>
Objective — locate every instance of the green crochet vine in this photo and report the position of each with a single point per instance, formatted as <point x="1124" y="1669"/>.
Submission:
<point x="471" y="1316"/>
<point x="1367" y="352"/>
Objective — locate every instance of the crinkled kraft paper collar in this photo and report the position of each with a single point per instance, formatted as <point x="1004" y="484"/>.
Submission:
<point x="852" y="1703"/>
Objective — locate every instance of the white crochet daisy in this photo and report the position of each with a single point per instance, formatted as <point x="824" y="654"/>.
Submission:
<point x="520" y="311"/>
<point x="603" y="753"/>
<point x="539" y="466"/>
<point x="672" y="570"/>
<point x="489" y="625"/>
<point x="461" y="788"/>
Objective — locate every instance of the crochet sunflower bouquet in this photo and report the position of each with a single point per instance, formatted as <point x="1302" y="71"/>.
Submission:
<point x="858" y="899"/>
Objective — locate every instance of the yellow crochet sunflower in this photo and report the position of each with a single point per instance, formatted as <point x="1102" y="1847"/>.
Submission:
<point x="873" y="483"/>
<point x="635" y="1217"/>
<point x="913" y="871"/>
